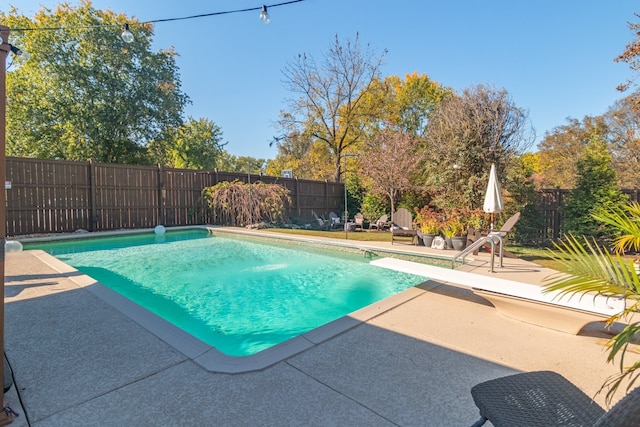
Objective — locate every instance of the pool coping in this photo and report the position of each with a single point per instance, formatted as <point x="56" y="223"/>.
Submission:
<point x="193" y="348"/>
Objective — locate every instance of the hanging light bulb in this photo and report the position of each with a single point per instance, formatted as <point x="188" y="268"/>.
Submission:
<point x="264" y="16"/>
<point x="18" y="52"/>
<point x="126" y="35"/>
<point x="15" y="50"/>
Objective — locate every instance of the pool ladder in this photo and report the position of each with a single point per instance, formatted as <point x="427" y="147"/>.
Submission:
<point x="367" y="253"/>
<point x="477" y="245"/>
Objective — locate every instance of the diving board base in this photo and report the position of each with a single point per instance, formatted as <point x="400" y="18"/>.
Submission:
<point x="523" y="301"/>
<point x="552" y="316"/>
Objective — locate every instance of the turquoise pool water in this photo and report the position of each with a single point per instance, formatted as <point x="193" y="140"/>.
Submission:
<point x="236" y="294"/>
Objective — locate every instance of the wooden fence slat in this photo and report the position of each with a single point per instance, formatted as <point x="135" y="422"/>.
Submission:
<point x="549" y="202"/>
<point x="55" y="196"/>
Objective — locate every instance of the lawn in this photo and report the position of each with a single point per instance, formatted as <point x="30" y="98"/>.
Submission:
<point x="541" y="256"/>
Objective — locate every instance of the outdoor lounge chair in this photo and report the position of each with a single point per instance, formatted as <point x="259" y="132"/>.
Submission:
<point x="322" y="223"/>
<point x="359" y="221"/>
<point x="403" y="226"/>
<point x="500" y="234"/>
<point x="381" y="223"/>
<point x="508" y="225"/>
<point x="334" y="220"/>
<point x="545" y="398"/>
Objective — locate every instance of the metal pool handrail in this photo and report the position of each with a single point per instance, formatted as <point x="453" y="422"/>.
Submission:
<point x="476" y="245"/>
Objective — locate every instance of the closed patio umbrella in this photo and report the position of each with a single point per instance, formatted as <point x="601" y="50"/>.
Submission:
<point x="493" y="198"/>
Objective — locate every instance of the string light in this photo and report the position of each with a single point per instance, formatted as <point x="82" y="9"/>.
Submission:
<point x="264" y="16"/>
<point x="126" y="35"/>
<point x="15" y="50"/>
<point x="19" y="52"/>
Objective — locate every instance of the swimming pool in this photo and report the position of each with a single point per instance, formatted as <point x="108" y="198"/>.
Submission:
<point x="240" y="295"/>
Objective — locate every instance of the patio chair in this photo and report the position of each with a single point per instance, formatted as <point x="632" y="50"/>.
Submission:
<point x="508" y="225"/>
<point x="359" y="220"/>
<point x="334" y="220"/>
<point x="381" y="223"/>
<point x="322" y="223"/>
<point x="545" y="398"/>
<point x="500" y="234"/>
<point x="403" y="226"/>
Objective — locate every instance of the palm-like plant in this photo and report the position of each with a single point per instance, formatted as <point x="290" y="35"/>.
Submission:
<point x="593" y="270"/>
<point x="627" y="223"/>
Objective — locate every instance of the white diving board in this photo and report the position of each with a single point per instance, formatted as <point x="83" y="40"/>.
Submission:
<point x="518" y="300"/>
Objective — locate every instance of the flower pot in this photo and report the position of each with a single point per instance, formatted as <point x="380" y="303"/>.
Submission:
<point x="448" y="242"/>
<point x="428" y="239"/>
<point x="459" y="242"/>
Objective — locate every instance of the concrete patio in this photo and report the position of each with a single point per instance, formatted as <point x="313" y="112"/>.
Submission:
<point x="79" y="361"/>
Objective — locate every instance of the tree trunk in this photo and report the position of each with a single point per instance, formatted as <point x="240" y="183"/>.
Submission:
<point x="391" y="199"/>
<point x="338" y="173"/>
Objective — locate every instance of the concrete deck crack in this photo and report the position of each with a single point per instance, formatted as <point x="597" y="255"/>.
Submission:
<point x="341" y="393"/>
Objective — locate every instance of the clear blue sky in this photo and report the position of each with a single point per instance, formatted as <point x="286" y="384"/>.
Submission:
<point x="555" y="57"/>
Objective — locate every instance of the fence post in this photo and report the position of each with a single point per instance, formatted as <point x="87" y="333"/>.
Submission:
<point x="558" y="195"/>
<point x="93" y="214"/>
<point x="297" y="197"/>
<point x="4" y="52"/>
<point x="161" y="196"/>
<point x="326" y="197"/>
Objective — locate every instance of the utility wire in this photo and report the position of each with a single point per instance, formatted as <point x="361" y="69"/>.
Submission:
<point x="154" y="21"/>
<point x="220" y="13"/>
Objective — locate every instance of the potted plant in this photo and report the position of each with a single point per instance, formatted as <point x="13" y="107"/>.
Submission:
<point x="456" y="230"/>
<point x="429" y="224"/>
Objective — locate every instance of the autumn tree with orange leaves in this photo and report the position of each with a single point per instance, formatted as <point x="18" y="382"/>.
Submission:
<point x="389" y="163"/>
<point x="631" y="56"/>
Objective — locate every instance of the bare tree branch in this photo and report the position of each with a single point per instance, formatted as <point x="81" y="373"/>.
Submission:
<point x="329" y="96"/>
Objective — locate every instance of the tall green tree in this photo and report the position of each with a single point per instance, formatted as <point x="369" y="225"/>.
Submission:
<point x="84" y="92"/>
<point x="197" y="144"/>
<point x="246" y="164"/>
<point x="623" y="129"/>
<point x="465" y="135"/>
<point x="328" y="101"/>
<point x="306" y="156"/>
<point x="406" y="103"/>
<point x="596" y="190"/>
<point x="560" y="150"/>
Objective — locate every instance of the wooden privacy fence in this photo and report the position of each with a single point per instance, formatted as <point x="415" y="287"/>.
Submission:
<point x="549" y="202"/>
<point x="54" y="196"/>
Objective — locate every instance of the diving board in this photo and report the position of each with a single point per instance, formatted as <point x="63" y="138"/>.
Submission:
<point x="518" y="300"/>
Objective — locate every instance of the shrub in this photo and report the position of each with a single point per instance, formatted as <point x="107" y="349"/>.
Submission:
<point x="596" y="189"/>
<point x="455" y="224"/>
<point x="428" y="220"/>
<point x="373" y="207"/>
<point x="237" y="203"/>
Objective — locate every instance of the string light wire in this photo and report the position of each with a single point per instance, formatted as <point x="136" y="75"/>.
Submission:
<point x="155" y="21"/>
